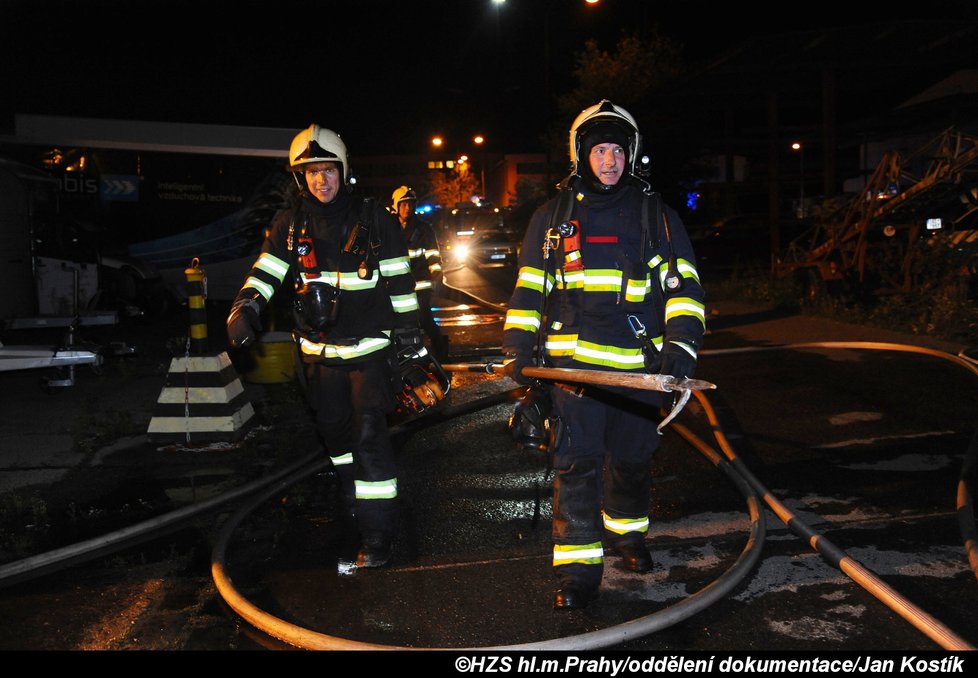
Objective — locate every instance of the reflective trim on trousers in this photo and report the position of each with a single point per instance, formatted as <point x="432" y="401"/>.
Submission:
<point x="381" y="489"/>
<point x="342" y="459"/>
<point x="625" y="525"/>
<point x="585" y="554"/>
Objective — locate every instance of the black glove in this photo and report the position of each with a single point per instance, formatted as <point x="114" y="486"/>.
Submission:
<point x="653" y="358"/>
<point x="678" y="359"/>
<point x="516" y="361"/>
<point x="244" y="323"/>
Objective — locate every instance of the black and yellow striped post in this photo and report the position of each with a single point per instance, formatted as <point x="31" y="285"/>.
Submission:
<point x="203" y="400"/>
<point x="196" y="303"/>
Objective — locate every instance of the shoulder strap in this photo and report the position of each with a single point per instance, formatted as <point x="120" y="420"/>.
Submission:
<point x="650" y="237"/>
<point x="368" y="219"/>
<point x="563" y="207"/>
<point x="367" y="209"/>
<point x="673" y="280"/>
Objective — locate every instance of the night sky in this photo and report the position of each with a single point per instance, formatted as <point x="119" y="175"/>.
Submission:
<point x="386" y="75"/>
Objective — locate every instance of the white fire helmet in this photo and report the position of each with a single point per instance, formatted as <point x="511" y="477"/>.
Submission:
<point x="318" y="144"/>
<point x="604" y="112"/>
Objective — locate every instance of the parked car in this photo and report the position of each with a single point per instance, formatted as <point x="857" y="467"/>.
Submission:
<point x="486" y="249"/>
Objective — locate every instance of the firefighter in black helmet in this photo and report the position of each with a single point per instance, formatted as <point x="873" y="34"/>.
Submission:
<point x="355" y="306"/>
<point x="425" y="255"/>
<point x="610" y="270"/>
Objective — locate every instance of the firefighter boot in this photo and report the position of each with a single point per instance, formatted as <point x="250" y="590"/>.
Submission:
<point x="578" y="586"/>
<point x="633" y="552"/>
<point x="625" y="517"/>
<point x="578" y="554"/>
<point x="376" y="550"/>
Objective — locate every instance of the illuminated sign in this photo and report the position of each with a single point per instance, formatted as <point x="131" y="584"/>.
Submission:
<point x="119" y="187"/>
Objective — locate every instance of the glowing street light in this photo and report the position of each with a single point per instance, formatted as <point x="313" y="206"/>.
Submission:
<point x="478" y="140"/>
<point x="797" y="146"/>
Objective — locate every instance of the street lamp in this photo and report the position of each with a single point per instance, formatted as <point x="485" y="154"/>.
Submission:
<point x="797" y="146"/>
<point x="479" y="140"/>
<point x="462" y="160"/>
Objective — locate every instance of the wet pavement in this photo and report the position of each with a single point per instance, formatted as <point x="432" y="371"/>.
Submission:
<point x="866" y="447"/>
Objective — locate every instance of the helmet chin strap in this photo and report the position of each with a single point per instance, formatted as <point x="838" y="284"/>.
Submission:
<point x="597" y="185"/>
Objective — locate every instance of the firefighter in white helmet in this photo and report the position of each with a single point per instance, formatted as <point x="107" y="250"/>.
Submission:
<point x="425" y="255"/>
<point x="607" y="279"/>
<point x="354" y="306"/>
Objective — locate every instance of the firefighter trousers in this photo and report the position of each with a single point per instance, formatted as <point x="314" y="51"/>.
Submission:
<point x="351" y="404"/>
<point x="602" y="476"/>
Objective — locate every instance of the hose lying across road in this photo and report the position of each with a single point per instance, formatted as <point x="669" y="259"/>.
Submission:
<point x="263" y="489"/>
<point x="838" y="558"/>
<point x="614" y="635"/>
<point x="735" y="470"/>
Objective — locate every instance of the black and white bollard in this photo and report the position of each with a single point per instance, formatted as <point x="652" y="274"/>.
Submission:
<point x="203" y="400"/>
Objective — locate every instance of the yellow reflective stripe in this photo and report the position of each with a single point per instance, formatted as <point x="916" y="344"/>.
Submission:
<point x="352" y="281"/>
<point x="422" y="285"/>
<point x="571" y="257"/>
<point x="272" y="265"/>
<point x="587" y="554"/>
<point x="431" y="253"/>
<point x="263" y="288"/>
<point x="595" y="354"/>
<point x="345" y="281"/>
<point x="572" y="280"/>
<point x="342" y="459"/>
<point x="561" y="344"/>
<point x="520" y="319"/>
<point x="686" y="347"/>
<point x="636" y="290"/>
<point x="361" y="348"/>
<point x="687" y="270"/>
<point x="404" y="303"/>
<point x="602" y="280"/>
<point x="395" y="266"/>
<point x="680" y="306"/>
<point x="435" y="267"/>
<point x="379" y="489"/>
<point x="530" y="278"/>
<point x="611" y="356"/>
<point x="625" y="525"/>
<point x="414" y="254"/>
<point x="656" y="260"/>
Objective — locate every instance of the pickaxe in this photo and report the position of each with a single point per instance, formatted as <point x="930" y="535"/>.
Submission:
<point x="647" y="382"/>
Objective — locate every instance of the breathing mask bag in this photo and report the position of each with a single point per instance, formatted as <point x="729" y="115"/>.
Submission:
<point x="532" y="425"/>
<point x="317" y="305"/>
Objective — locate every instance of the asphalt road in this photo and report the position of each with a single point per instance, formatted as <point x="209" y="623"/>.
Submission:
<point x="860" y="447"/>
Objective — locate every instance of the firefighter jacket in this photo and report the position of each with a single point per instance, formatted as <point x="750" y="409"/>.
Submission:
<point x="372" y="285"/>
<point x="423" y="251"/>
<point x="579" y="293"/>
